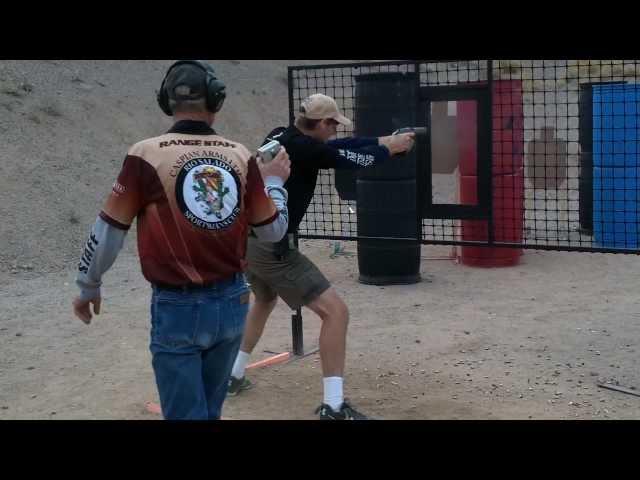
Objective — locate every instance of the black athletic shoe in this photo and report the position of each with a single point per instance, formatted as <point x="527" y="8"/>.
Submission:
<point x="237" y="385"/>
<point x="346" y="412"/>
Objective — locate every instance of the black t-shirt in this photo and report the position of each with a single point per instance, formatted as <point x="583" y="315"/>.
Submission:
<point x="309" y="155"/>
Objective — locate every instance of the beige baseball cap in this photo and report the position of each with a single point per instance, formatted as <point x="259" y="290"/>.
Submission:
<point x="319" y="107"/>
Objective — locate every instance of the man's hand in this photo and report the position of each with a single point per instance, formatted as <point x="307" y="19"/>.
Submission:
<point x="82" y="308"/>
<point x="280" y="166"/>
<point x="403" y="142"/>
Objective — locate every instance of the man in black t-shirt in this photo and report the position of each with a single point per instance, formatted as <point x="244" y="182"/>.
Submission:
<point x="280" y="270"/>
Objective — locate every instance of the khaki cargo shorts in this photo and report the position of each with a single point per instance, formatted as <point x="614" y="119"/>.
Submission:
<point x="295" y="278"/>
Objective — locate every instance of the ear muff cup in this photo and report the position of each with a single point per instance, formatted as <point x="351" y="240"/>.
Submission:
<point x="216" y="90"/>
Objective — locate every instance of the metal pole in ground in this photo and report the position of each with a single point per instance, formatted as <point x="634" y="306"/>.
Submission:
<point x="296" y="323"/>
<point x="296" y="332"/>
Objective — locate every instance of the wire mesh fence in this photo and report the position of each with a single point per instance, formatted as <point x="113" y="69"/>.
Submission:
<point x="519" y="153"/>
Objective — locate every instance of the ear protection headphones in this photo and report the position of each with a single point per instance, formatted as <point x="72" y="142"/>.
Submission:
<point x="216" y="92"/>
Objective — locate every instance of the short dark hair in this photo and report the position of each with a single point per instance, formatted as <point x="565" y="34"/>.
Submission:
<point x="198" y="105"/>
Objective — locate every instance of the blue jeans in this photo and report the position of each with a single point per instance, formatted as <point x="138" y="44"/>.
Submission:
<point x="195" y="337"/>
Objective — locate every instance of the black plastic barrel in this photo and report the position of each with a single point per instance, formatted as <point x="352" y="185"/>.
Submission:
<point x="386" y="194"/>
<point x="387" y="208"/>
<point x="384" y="103"/>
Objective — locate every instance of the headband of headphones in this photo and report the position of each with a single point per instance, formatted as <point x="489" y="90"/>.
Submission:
<point x="216" y="91"/>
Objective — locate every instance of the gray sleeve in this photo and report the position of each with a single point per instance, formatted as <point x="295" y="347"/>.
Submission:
<point x="100" y="251"/>
<point x="275" y="230"/>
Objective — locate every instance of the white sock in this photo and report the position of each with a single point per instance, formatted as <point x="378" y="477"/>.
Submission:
<point x="240" y="364"/>
<point x="333" y="395"/>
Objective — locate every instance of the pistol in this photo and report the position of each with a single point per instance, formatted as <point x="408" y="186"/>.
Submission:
<point x="419" y="131"/>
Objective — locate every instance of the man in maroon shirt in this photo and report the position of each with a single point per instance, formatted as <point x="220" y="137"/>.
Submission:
<point x="195" y="195"/>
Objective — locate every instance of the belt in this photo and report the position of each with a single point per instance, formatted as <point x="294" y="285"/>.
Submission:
<point x="196" y="287"/>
